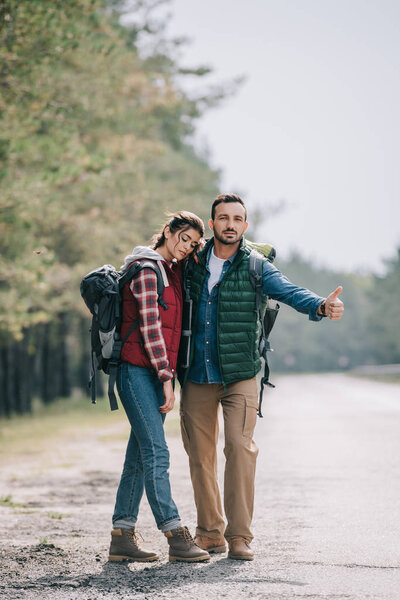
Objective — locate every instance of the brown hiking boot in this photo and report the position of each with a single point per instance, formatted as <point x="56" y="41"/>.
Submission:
<point x="124" y="546"/>
<point x="182" y="546"/>
<point x="239" y="549"/>
<point x="210" y="544"/>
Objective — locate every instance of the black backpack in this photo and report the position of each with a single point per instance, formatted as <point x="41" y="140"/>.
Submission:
<point x="101" y="290"/>
<point x="267" y="319"/>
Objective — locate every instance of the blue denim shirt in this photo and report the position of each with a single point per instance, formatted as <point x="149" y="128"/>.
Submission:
<point x="205" y="367"/>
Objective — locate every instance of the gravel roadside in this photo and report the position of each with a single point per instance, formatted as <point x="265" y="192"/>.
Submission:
<point x="55" y="518"/>
<point x="325" y="513"/>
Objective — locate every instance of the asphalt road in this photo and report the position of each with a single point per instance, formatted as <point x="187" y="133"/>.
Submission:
<point x="328" y="489"/>
<point x="327" y="509"/>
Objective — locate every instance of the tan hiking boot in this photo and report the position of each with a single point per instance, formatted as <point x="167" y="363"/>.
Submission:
<point x="182" y="546"/>
<point x="239" y="549"/>
<point x="210" y="544"/>
<point x="124" y="546"/>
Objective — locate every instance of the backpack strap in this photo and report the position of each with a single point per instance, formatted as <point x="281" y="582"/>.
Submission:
<point x="256" y="261"/>
<point x="114" y="363"/>
<point x="115" y="359"/>
<point x="187" y="277"/>
<point x="92" y="378"/>
<point x="187" y="314"/>
<point x="255" y="272"/>
<point x="138" y="266"/>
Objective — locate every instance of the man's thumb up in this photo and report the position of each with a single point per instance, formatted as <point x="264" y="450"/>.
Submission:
<point x="336" y="293"/>
<point x="333" y="305"/>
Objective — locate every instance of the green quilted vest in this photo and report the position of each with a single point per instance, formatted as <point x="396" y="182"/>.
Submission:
<point x="238" y="325"/>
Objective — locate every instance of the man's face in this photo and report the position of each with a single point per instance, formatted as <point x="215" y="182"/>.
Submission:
<point x="229" y="222"/>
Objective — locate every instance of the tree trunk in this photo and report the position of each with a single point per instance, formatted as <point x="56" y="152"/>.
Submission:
<point x="3" y="375"/>
<point x="51" y="358"/>
<point x="22" y="375"/>
<point x="65" y="371"/>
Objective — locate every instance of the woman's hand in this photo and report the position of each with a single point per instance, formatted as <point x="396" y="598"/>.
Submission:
<point x="169" y="397"/>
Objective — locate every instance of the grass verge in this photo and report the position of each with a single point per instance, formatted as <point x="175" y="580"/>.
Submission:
<point x="66" y="418"/>
<point x="8" y="502"/>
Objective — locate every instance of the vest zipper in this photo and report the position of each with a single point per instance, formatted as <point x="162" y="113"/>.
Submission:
<point x="230" y="270"/>
<point x="219" y="359"/>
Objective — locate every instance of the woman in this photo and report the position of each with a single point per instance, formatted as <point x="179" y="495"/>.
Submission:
<point x="145" y="387"/>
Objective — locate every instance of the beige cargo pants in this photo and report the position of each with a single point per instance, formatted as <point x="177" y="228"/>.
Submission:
<point x="199" y="426"/>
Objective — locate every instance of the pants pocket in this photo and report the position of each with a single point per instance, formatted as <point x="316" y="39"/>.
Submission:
<point x="250" y="416"/>
<point x="184" y="433"/>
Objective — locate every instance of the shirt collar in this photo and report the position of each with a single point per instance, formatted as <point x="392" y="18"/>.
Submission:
<point x="231" y="259"/>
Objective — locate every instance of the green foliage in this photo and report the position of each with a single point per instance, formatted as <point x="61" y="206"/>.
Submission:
<point x="384" y="314"/>
<point x="8" y="502"/>
<point x="302" y="345"/>
<point x="93" y="150"/>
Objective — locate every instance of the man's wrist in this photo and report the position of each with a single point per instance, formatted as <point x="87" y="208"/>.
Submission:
<point x="322" y="309"/>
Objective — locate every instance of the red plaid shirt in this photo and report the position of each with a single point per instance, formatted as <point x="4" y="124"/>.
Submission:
<point x="144" y="289"/>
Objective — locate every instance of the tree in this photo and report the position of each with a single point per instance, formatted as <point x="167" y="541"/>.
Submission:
<point x="94" y="148"/>
<point x="304" y="346"/>
<point x="384" y="314"/>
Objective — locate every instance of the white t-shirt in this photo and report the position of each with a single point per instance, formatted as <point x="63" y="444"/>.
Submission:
<point x="215" y="265"/>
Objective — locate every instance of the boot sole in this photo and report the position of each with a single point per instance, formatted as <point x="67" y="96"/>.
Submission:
<point x="240" y="557"/>
<point x="194" y="559"/>
<point x="131" y="559"/>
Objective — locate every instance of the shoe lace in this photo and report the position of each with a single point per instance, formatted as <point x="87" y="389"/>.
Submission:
<point x="135" y="535"/>
<point x="185" y="534"/>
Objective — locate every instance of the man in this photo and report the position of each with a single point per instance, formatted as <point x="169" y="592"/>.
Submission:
<point x="222" y="370"/>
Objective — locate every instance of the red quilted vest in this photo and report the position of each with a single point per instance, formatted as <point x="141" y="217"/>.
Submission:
<point x="133" y="350"/>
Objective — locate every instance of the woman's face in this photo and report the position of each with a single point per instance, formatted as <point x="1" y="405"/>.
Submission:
<point x="180" y="244"/>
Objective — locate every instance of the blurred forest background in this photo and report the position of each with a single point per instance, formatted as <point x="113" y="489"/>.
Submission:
<point x="95" y="146"/>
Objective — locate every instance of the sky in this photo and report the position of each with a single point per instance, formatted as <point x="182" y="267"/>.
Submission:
<point x="314" y="126"/>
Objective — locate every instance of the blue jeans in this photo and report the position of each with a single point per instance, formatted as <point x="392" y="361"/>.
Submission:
<point x="147" y="457"/>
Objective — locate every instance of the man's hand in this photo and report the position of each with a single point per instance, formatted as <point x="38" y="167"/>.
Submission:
<point x="169" y="397"/>
<point x="333" y="305"/>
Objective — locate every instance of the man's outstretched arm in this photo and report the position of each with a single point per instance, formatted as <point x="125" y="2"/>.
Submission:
<point x="278" y="287"/>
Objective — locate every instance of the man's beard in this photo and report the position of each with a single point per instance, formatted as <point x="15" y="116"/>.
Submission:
<point x="227" y="242"/>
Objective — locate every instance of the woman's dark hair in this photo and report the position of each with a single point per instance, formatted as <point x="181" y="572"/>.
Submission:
<point x="227" y="198"/>
<point x="180" y="221"/>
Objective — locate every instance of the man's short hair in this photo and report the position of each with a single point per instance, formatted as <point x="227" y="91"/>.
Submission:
<point x="227" y="198"/>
